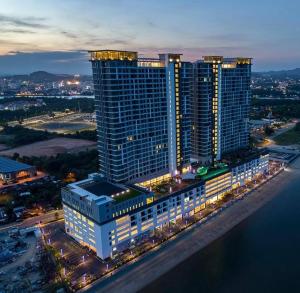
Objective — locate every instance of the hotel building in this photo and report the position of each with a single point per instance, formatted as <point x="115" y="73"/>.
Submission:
<point x="143" y="114"/>
<point x="109" y="217"/>
<point x="220" y="107"/>
<point x="144" y="120"/>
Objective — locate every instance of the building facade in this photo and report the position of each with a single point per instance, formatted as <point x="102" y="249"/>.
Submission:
<point x="143" y="114"/>
<point x="11" y="171"/>
<point x="109" y="225"/>
<point x="153" y="116"/>
<point x="220" y="107"/>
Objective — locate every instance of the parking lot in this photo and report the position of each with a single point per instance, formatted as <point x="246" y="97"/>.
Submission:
<point x="79" y="265"/>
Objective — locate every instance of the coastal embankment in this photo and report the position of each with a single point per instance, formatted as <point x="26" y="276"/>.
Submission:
<point x="134" y="277"/>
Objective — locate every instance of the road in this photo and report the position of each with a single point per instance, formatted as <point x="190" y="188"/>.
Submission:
<point x="285" y="128"/>
<point x="134" y="277"/>
<point x="271" y="144"/>
<point x="45" y="218"/>
<point x="270" y="140"/>
<point x="38" y="176"/>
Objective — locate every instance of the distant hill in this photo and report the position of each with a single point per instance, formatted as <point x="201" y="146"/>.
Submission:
<point x="44" y="76"/>
<point x="293" y="73"/>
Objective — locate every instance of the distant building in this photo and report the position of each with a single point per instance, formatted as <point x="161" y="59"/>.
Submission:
<point x="220" y="107"/>
<point x="19" y="211"/>
<point x="11" y="171"/>
<point x="3" y="215"/>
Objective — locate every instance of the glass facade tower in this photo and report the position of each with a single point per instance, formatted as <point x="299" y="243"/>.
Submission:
<point x="143" y="114"/>
<point x="220" y="106"/>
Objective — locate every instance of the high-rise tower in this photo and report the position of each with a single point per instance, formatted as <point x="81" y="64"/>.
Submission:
<point x="143" y="114"/>
<point x="220" y="106"/>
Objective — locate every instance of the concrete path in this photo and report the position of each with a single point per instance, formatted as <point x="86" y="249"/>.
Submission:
<point x="45" y="218"/>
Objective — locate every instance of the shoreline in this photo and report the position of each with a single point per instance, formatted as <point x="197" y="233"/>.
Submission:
<point x="135" y="276"/>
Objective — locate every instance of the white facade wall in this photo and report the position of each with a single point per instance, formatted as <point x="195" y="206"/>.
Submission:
<point x="104" y="239"/>
<point x="250" y="169"/>
<point x="80" y="227"/>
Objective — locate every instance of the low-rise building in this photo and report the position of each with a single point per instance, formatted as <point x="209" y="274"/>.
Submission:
<point x="108" y="217"/>
<point x="3" y="215"/>
<point x="19" y="212"/>
<point x="12" y="171"/>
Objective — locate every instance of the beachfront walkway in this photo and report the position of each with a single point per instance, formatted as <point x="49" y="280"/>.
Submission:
<point x="134" y="277"/>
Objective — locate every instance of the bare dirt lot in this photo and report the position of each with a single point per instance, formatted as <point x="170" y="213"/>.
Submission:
<point x="51" y="147"/>
<point x="2" y="147"/>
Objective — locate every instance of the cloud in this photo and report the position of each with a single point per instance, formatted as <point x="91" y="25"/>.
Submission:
<point x="29" y="22"/>
<point x="76" y="61"/>
<point x="196" y="53"/>
<point x="53" y="61"/>
<point x="8" y="42"/>
<point x="107" y="42"/>
<point x="69" y="35"/>
<point x="16" y="31"/>
<point x="227" y="37"/>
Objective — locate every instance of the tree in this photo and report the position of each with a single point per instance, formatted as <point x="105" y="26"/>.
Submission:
<point x="269" y="130"/>
<point x="16" y="156"/>
<point x="297" y="127"/>
<point x="56" y="215"/>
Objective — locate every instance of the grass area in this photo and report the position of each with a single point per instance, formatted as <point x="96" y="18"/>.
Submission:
<point x="14" y="136"/>
<point x="63" y="127"/>
<point x="289" y="137"/>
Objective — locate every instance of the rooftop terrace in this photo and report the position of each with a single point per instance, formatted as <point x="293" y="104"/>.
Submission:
<point x="243" y="156"/>
<point x="206" y="173"/>
<point x="113" y="55"/>
<point x="172" y="185"/>
<point x="100" y="189"/>
<point x="181" y="182"/>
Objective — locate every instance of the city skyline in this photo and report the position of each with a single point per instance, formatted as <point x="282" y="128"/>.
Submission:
<point x="149" y="146"/>
<point x="55" y="36"/>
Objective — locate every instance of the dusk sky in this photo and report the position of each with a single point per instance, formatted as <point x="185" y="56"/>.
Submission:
<point x="55" y="35"/>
